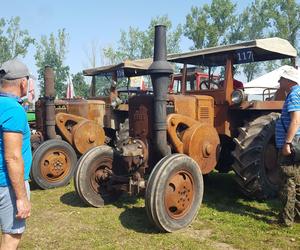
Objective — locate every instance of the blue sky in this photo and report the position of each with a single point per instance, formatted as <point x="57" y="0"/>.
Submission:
<point x="91" y="20"/>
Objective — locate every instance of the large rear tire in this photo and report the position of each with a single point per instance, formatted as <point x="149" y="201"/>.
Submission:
<point x="53" y="164"/>
<point x="174" y="192"/>
<point x="255" y="154"/>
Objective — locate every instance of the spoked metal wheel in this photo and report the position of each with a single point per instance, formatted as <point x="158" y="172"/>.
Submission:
<point x="93" y="175"/>
<point x="53" y="164"/>
<point x="174" y="192"/>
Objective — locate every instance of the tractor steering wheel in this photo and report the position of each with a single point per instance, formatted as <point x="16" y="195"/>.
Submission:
<point x="207" y="84"/>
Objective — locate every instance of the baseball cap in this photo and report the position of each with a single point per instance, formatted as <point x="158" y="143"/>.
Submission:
<point x="14" y="69"/>
<point x="292" y="74"/>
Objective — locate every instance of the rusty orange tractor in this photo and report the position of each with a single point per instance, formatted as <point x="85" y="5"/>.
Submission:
<point x="67" y="128"/>
<point x="172" y="142"/>
<point x="174" y="139"/>
<point x="246" y="127"/>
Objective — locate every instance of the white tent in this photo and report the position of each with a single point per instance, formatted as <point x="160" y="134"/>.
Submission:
<point x="270" y="80"/>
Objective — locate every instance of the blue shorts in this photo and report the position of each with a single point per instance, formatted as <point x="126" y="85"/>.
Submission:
<point x="8" y="210"/>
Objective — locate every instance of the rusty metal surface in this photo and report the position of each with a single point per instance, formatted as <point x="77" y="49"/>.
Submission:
<point x="228" y="83"/>
<point x="36" y="139"/>
<point x="89" y="109"/>
<point x="197" y="107"/>
<point x="40" y="116"/>
<point x="179" y="194"/>
<point x="261" y="105"/>
<point x="198" y="140"/>
<point x="141" y="117"/>
<point x="49" y="104"/>
<point x="55" y="165"/>
<point x="82" y="133"/>
<point x="112" y="117"/>
<point x="222" y="119"/>
<point x="135" y="155"/>
<point x="49" y="82"/>
<point x="87" y="134"/>
<point x="176" y="126"/>
<point x="201" y="142"/>
<point x="96" y="111"/>
<point x="99" y="174"/>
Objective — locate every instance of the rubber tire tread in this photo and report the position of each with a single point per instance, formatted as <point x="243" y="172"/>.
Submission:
<point x="156" y="182"/>
<point x="89" y="197"/>
<point x="248" y="155"/>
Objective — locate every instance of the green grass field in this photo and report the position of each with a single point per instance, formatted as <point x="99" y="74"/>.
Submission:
<point x="226" y="220"/>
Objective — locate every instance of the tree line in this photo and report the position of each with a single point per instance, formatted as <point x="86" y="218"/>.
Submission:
<point x="217" y="23"/>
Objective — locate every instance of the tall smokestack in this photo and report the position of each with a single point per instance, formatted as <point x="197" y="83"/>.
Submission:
<point x="50" y="108"/>
<point x="160" y="71"/>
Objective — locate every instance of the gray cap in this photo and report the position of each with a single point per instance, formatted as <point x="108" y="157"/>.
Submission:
<point x="13" y="69"/>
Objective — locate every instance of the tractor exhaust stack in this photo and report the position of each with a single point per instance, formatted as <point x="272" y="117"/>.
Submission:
<point x="50" y="108"/>
<point x="160" y="71"/>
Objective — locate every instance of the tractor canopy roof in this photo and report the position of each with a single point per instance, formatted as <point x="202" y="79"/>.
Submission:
<point x="244" y="52"/>
<point x="127" y="68"/>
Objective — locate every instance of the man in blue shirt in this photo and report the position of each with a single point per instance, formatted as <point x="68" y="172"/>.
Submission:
<point x="287" y="127"/>
<point x="15" y="153"/>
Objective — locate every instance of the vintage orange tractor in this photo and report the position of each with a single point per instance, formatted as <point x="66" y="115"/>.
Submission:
<point x="172" y="142"/>
<point x="246" y="128"/>
<point x="174" y="139"/>
<point x="67" y="128"/>
<point x="63" y="130"/>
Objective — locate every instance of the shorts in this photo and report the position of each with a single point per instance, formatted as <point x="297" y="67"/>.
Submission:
<point x="8" y="210"/>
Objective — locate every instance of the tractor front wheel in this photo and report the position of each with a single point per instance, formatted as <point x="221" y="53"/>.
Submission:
<point x="174" y="192"/>
<point x="53" y="164"/>
<point x="93" y="176"/>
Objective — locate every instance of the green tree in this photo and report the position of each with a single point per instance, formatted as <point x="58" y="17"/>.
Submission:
<point x="81" y="88"/>
<point x="285" y="20"/>
<point x="14" y="41"/>
<point x="219" y="23"/>
<point x="137" y="44"/>
<point x="51" y="52"/>
<point x="254" y="23"/>
<point x="211" y="25"/>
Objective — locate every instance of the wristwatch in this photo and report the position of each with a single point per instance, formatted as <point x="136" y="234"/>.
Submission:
<point x="288" y="143"/>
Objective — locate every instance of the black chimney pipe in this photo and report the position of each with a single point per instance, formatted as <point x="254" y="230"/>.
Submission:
<point x="50" y="108"/>
<point x="160" y="71"/>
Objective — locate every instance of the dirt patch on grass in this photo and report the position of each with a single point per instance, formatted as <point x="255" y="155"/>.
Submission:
<point x="197" y="234"/>
<point x="223" y="246"/>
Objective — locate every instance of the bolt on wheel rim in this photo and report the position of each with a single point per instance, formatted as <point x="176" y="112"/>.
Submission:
<point x="179" y="194"/>
<point x="55" y="165"/>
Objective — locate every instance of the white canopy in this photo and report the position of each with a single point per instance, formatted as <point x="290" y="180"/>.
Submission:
<point x="244" y="52"/>
<point x="269" y="80"/>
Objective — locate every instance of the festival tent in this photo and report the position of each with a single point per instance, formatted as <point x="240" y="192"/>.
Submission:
<point x="264" y="82"/>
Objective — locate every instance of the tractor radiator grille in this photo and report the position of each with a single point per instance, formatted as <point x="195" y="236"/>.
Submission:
<point x="204" y="113"/>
